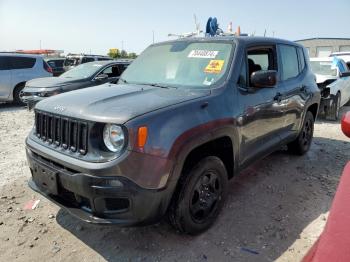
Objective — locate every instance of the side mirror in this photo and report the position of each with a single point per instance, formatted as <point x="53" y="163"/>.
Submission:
<point x="345" y="74"/>
<point x="101" y="77"/>
<point x="345" y="124"/>
<point x="264" y="78"/>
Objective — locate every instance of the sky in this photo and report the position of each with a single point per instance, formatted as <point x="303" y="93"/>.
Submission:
<point x="79" y="26"/>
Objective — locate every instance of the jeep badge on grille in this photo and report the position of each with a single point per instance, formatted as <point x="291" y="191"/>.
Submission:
<point x="59" y="108"/>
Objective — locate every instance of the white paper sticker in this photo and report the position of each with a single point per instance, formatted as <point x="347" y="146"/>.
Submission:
<point x="203" y="54"/>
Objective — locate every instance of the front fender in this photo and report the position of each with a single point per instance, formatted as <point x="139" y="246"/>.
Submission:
<point x="201" y="135"/>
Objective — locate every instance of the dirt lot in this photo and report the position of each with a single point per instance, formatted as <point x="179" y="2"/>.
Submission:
<point x="275" y="210"/>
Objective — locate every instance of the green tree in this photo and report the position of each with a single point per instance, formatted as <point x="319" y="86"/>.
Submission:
<point x="132" y="55"/>
<point x="114" y="53"/>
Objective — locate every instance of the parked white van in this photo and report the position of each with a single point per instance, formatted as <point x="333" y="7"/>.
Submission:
<point x="16" y="70"/>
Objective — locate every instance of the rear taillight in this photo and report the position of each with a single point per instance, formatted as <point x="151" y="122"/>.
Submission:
<point x="47" y="68"/>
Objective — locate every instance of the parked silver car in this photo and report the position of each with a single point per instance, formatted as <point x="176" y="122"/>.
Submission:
<point x="16" y="70"/>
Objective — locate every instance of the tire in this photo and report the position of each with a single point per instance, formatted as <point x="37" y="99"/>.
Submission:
<point x="16" y="95"/>
<point x="303" y="142"/>
<point x="200" y="196"/>
<point x="333" y="113"/>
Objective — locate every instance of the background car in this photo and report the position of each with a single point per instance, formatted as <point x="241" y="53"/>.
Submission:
<point x="56" y="64"/>
<point x="343" y="55"/>
<point x="85" y="75"/>
<point x="332" y="77"/>
<point x="16" y="70"/>
<point x="73" y="60"/>
<point x="333" y="244"/>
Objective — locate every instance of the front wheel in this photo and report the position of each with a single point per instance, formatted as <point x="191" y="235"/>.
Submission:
<point x="200" y="196"/>
<point x="16" y="95"/>
<point x="303" y="142"/>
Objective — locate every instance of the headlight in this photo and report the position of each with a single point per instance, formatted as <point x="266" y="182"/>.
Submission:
<point x="113" y="137"/>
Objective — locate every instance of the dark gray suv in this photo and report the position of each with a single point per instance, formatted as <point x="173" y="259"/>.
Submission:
<point x="186" y="116"/>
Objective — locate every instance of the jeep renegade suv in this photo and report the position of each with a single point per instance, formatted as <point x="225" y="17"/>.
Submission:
<point x="186" y="116"/>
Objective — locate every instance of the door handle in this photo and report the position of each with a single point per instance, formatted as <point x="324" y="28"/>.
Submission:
<point x="278" y="97"/>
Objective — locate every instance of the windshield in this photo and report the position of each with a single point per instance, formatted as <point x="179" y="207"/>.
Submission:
<point x="323" y="68"/>
<point x="72" y="61"/>
<point x="82" y="71"/>
<point x="180" y="64"/>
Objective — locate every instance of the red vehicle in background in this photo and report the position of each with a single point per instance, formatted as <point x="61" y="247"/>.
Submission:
<point x="334" y="242"/>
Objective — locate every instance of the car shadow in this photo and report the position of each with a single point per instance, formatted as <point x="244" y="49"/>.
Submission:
<point x="10" y="107"/>
<point x="268" y="206"/>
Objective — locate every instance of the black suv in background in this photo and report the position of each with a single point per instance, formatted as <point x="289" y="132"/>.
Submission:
<point x="186" y="116"/>
<point x="82" y="76"/>
<point x="73" y="60"/>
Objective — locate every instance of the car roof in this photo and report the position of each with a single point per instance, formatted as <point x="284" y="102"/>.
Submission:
<point x="247" y="40"/>
<point x="54" y="58"/>
<point x="322" y="59"/>
<point x="340" y="53"/>
<point x="19" y="55"/>
<point x="105" y="62"/>
<point x="85" y="55"/>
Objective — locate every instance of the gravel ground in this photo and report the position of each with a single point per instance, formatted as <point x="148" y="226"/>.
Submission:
<point x="275" y="210"/>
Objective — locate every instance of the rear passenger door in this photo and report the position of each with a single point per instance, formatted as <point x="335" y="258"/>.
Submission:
<point x="262" y="116"/>
<point x="23" y="68"/>
<point x="295" y="91"/>
<point x="6" y="84"/>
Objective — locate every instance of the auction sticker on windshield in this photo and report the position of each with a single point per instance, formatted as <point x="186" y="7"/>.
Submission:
<point x="214" y="66"/>
<point x="203" y="54"/>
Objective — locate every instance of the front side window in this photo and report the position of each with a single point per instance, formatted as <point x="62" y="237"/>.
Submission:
<point x="112" y="71"/>
<point x="261" y="58"/>
<point x="301" y="58"/>
<point x="181" y="64"/>
<point x="289" y="60"/>
<point x="82" y="71"/>
<point x="4" y="63"/>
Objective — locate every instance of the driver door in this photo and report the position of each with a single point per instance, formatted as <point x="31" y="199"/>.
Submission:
<point x="262" y="113"/>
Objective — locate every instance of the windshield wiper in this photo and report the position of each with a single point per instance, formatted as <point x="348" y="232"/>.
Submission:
<point x="159" y="85"/>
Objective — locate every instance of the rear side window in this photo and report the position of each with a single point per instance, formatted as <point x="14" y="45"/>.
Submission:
<point x="4" y="63"/>
<point x="22" y="62"/>
<point x="87" y="59"/>
<point x="290" y="63"/>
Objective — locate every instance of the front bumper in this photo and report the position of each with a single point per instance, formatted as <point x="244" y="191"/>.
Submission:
<point x="326" y="103"/>
<point x="30" y="99"/>
<point x="97" y="199"/>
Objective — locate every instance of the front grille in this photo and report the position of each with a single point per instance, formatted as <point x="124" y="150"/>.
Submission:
<point x="63" y="132"/>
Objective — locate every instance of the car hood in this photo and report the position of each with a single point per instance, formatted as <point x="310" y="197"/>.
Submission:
<point x="111" y="103"/>
<point x="322" y="78"/>
<point x="47" y="82"/>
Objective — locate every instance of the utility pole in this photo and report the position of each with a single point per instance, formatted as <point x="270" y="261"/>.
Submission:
<point x="122" y="44"/>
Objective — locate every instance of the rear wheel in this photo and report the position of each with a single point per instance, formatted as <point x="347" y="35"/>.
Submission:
<point x="16" y="95"/>
<point x="303" y="142"/>
<point x="200" y="196"/>
<point x="334" y="110"/>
